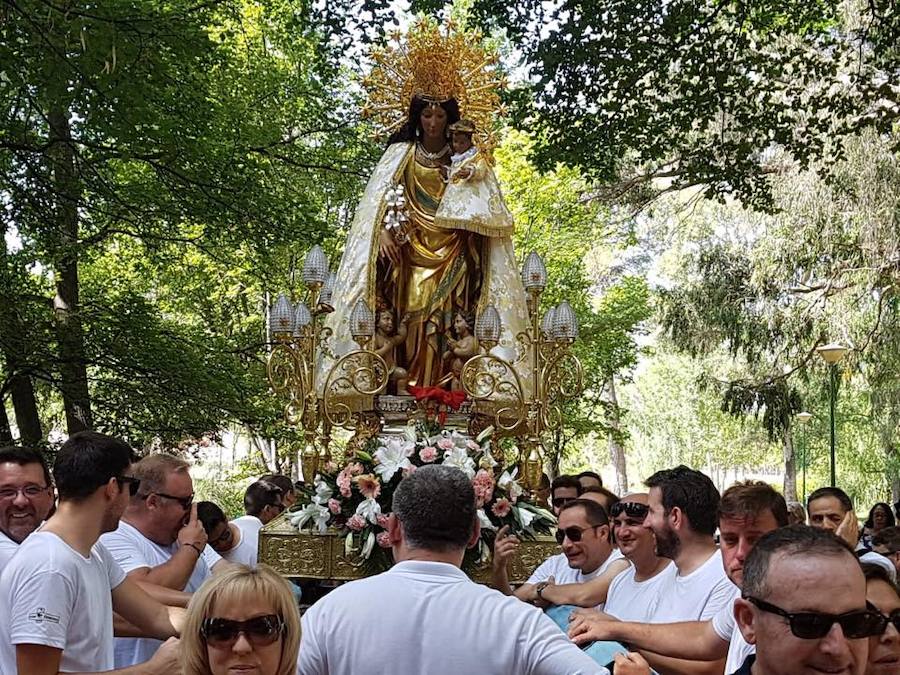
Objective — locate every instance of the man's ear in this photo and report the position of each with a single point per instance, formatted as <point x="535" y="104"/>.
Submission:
<point x="394" y="529"/>
<point x="745" y="616"/>
<point x="112" y="488"/>
<point x="476" y="533"/>
<point x="676" y="518"/>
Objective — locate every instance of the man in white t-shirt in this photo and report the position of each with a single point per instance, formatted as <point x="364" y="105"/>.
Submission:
<point x="425" y="615"/>
<point x="26" y="497"/>
<point x="160" y="541"/>
<point x="61" y="587"/>
<point x="633" y="594"/>
<point x="238" y="541"/>
<point x="747" y="511"/>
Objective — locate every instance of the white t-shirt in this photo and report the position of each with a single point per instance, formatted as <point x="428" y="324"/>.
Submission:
<point x="8" y="549"/>
<point x="557" y="566"/>
<point x="630" y="600"/>
<point x="726" y="628"/>
<point x="429" y="617"/>
<point x="132" y="550"/>
<point x="52" y="595"/>
<point x="699" y="596"/>
<point x="246" y="549"/>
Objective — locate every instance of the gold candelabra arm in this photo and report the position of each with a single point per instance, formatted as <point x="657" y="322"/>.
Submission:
<point x="357" y="376"/>
<point x="562" y="380"/>
<point x="289" y="376"/>
<point x="488" y="378"/>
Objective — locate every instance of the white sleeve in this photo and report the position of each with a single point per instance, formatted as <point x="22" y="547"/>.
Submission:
<point x="311" y="660"/>
<point x="722" y="596"/>
<point x="543" y="572"/>
<point x="552" y="653"/>
<point x="113" y="570"/>
<point x="40" y="609"/>
<point x="125" y="551"/>
<point x="723" y="622"/>
<point x="211" y="556"/>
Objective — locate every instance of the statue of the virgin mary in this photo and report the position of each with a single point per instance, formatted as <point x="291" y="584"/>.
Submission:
<point x="429" y="270"/>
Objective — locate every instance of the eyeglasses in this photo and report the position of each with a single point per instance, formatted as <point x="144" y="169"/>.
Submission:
<point x="184" y="502"/>
<point x="815" y="625"/>
<point x="573" y="533"/>
<point x="30" y="491"/>
<point x="259" y="631"/>
<point x="893" y="617"/>
<point x="630" y="509"/>
<point x="562" y="501"/>
<point x="132" y="482"/>
<point x="223" y="538"/>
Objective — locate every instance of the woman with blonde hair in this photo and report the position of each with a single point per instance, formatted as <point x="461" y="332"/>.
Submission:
<point x="242" y="620"/>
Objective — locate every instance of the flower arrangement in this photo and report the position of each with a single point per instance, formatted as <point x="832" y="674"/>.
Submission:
<point x="355" y="499"/>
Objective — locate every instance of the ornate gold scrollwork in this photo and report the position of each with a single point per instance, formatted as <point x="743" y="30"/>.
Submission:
<point x="488" y="378"/>
<point x="356" y="377"/>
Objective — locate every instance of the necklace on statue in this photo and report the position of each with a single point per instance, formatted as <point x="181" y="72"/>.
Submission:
<point x="430" y="158"/>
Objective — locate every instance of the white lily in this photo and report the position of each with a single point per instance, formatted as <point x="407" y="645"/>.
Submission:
<point x="484" y="521"/>
<point x="507" y="481"/>
<point x="368" y="546"/>
<point x="370" y="510"/>
<point x="410" y="433"/>
<point x="314" y="514"/>
<point x="392" y="457"/>
<point x="525" y="516"/>
<point x="323" y="492"/>
<point x="459" y="458"/>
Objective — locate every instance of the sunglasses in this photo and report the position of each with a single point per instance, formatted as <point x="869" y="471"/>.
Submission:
<point x="259" y="631"/>
<point x="132" y="483"/>
<point x="893" y="617"/>
<point x="562" y="501"/>
<point x="816" y="625"/>
<point x="630" y="509"/>
<point x="573" y="533"/>
<point x="184" y="502"/>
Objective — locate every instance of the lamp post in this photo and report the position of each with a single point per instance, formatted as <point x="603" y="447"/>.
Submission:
<point x="832" y="354"/>
<point x="803" y="418"/>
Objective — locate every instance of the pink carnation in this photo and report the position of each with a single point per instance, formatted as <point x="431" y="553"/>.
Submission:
<point x="334" y="506"/>
<point x="428" y="454"/>
<point x="354" y="468"/>
<point x="383" y="539"/>
<point x="382" y="519"/>
<point x="483" y="483"/>
<point x="445" y="444"/>
<point x="501" y="507"/>
<point x="356" y="522"/>
<point x="368" y="485"/>
<point x="343" y="482"/>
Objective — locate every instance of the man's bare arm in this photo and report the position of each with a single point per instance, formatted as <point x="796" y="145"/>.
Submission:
<point x="45" y="660"/>
<point x="587" y="594"/>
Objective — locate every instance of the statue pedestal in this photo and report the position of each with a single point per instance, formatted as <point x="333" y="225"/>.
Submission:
<point x="312" y="555"/>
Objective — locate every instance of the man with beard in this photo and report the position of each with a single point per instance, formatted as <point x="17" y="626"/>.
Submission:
<point x="26" y="497"/>
<point x="160" y="540"/>
<point x="59" y="590"/>
<point x="747" y="511"/>
<point x="804" y="605"/>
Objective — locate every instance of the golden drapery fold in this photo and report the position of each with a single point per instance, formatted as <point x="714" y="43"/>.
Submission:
<point x="441" y="266"/>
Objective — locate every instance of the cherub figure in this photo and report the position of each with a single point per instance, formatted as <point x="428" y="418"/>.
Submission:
<point x="386" y="340"/>
<point x="460" y="349"/>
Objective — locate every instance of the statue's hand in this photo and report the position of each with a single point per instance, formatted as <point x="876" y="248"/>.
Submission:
<point x="388" y="248"/>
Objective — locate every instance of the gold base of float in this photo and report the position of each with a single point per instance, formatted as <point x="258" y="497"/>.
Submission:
<point x="311" y="555"/>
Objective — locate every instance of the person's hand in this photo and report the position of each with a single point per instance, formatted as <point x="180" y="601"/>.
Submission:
<point x="848" y="530"/>
<point x="388" y="248"/>
<point x="505" y="547"/>
<point x="404" y="318"/>
<point x="192" y="532"/>
<point x="536" y="599"/>
<point x="590" y="625"/>
<point x="166" y="660"/>
<point x="631" y="663"/>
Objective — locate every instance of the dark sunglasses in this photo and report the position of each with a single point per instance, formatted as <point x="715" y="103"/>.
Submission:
<point x="573" y="533"/>
<point x="815" y="625"/>
<point x="562" y="501"/>
<point x="132" y="482"/>
<point x="259" y="631"/>
<point x="630" y="509"/>
<point x="893" y="617"/>
<point x="184" y="502"/>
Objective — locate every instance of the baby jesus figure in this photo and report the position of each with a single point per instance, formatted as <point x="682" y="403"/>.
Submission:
<point x="460" y="350"/>
<point x="472" y="200"/>
<point x="386" y="340"/>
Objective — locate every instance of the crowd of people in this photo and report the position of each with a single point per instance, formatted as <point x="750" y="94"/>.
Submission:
<point x="108" y="564"/>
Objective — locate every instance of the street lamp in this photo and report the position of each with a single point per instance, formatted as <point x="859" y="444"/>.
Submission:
<point x="803" y="418"/>
<point x="832" y="354"/>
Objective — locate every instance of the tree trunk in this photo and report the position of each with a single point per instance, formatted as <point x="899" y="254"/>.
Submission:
<point x="790" y="467"/>
<point x="6" y="437"/>
<point x="69" y="328"/>
<point x="616" y="451"/>
<point x="25" y="405"/>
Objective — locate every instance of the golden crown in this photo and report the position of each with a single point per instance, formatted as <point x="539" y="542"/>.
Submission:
<point x="435" y="64"/>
